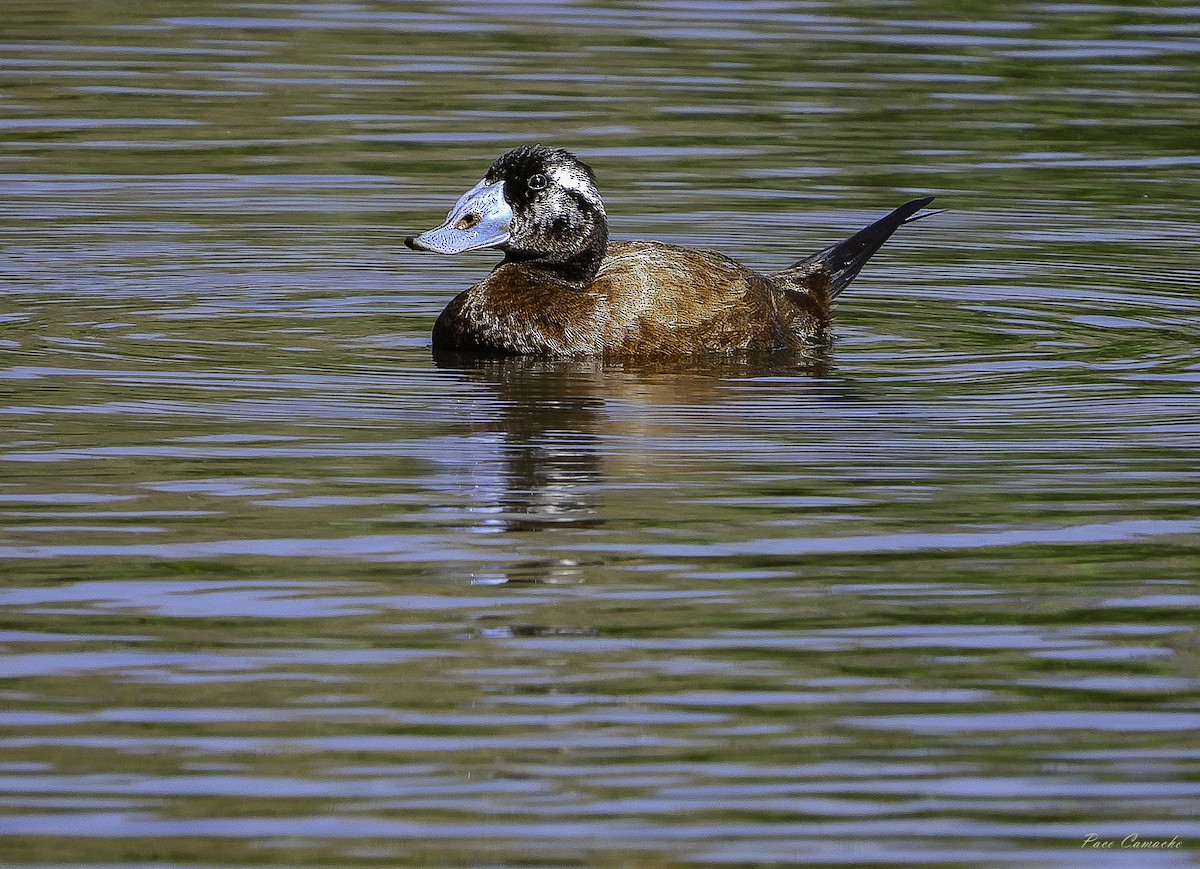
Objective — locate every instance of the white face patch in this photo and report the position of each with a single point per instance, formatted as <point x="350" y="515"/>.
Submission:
<point x="572" y="178"/>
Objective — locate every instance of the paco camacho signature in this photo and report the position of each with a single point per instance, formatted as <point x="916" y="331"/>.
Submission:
<point x="1131" y="841"/>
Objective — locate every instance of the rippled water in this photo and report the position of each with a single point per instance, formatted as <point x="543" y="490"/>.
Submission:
<point x="278" y="588"/>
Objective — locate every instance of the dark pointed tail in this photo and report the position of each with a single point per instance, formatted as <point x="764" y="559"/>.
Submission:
<point x="837" y="265"/>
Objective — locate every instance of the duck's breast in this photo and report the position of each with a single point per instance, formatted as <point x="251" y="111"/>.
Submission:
<point x="511" y="311"/>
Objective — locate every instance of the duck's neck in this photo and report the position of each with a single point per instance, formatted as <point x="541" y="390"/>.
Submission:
<point x="574" y="269"/>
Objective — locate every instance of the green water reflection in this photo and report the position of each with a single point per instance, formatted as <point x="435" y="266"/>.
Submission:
<point x="279" y="588"/>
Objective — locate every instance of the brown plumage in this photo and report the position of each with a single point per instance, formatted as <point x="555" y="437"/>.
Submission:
<point x="563" y="290"/>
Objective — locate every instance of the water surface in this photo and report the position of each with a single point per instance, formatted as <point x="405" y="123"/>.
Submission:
<point x="280" y="588"/>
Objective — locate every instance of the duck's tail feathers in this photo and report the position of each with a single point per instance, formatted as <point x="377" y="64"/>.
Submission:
<point x="837" y="265"/>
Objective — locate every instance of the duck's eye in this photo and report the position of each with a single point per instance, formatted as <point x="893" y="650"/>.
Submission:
<point x="537" y="182"/>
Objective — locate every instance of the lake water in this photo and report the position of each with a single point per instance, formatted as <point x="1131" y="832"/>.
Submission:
<point x="278" y="589"/>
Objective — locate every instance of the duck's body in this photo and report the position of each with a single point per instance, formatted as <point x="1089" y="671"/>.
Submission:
<point x="563" y="290"/>
<point x="714" y="305"/>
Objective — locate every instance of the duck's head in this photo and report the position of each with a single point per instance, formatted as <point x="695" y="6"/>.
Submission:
<point x="538" y="205"/>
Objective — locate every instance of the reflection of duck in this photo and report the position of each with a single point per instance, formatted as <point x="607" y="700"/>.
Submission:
<point x="550" y="426"/>
<point x="569" y="428"/>
<point x="562" y="289"/>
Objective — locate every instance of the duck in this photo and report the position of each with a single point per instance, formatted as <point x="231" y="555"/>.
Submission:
<point x="563" y="289"/>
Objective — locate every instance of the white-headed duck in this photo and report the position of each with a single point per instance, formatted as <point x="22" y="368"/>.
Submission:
<point x="562" y="289"/>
